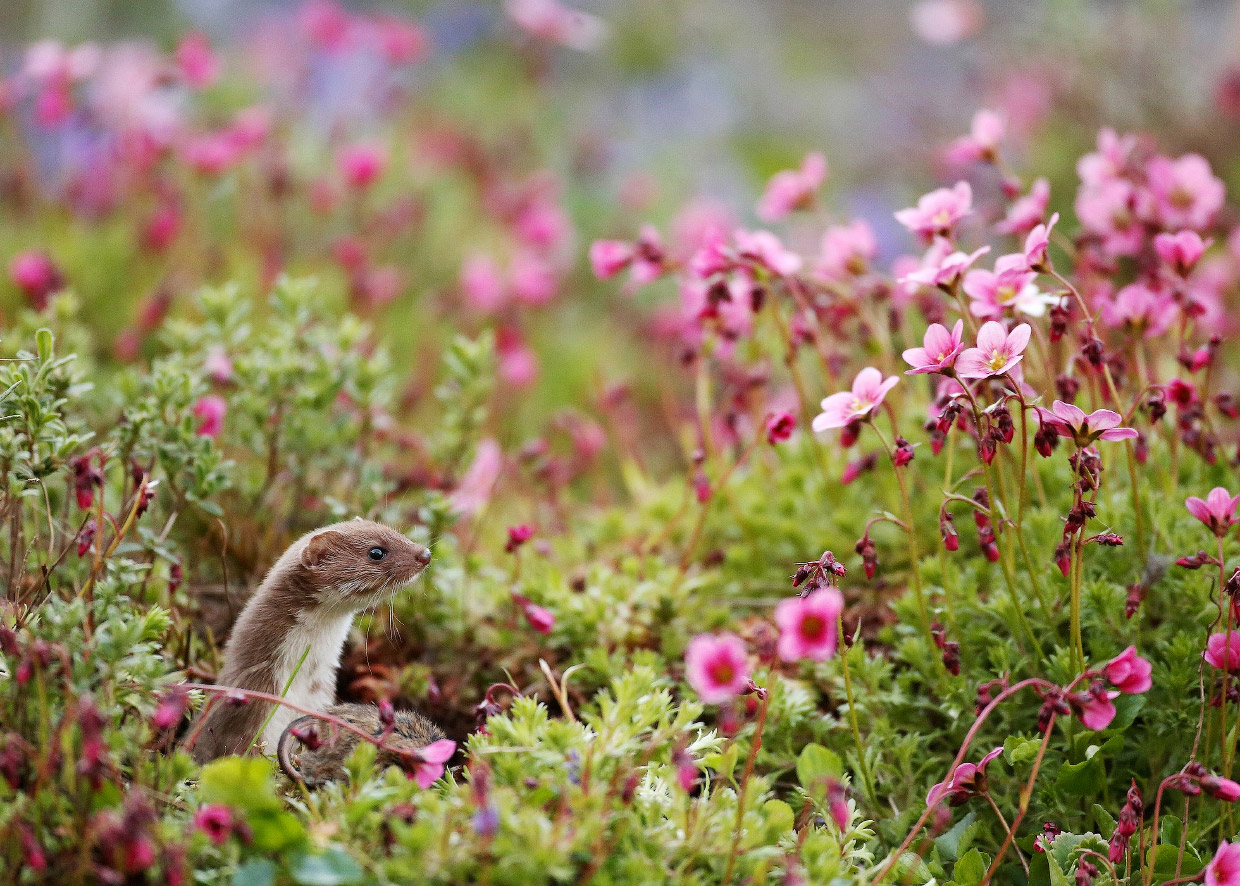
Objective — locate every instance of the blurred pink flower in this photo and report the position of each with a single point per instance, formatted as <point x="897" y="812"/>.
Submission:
<point x="197" y="63"/>
<point x="1181" y="251"/>
<point x="1224" y="868"/>
<point x="1142" y="309"/>
<point x="938" y="212"/>
<point x="210" y="411"/>
<point x="1129" y="672"/>
<point x="610" y="257"/>
<point x="982" y="142"/>
<point x="430" y="762"/>
<point x="997" y="351"/>
<point x="1218" y="511"/>
<point x="846" y="250"/>
<point x="554" y="22"/>
<point x="939" y="349"/>
<point x="716" y="666"/>
<point x="36" y="275"/>
<point x="946" y="22"/>
<point x="779" y="427"/>
<point x="482" y="284"/>
<point x="518" y="365"/>
<point x="1109" y="161"/>
<point x="1108" y="209"/>
<point x="764" y="249"/>
<point x="1186" y="192"/>
<point x="215" y="821"/>
<point x="474" y="490"/>
<point x="1071" y="421"/>
<point x="807" y="625"/>
<point x="868" y="390"/>
<point x="1223" y="651"/>
<point x="217" y="365"/>
<point x="533" y="279"/>
<point x="212" y="154"/>
<point x="401" y="41"/>
<point x="1027" y="212"/>
<point x="792" y="189"/>
<point x="361" y="164"/>
<point x="542" y="223"/>
<point x="539" y="618"/>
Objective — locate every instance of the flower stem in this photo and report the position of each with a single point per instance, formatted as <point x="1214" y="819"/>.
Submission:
<point x="737" y="828"/>
<point x="866" y="777"/>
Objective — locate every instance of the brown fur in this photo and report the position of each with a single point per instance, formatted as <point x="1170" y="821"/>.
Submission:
<point x="410" y="731"/>
<point x="315" y="588"/>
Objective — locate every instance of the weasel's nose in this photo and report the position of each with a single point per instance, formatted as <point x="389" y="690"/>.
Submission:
<point x="423" y="556"/>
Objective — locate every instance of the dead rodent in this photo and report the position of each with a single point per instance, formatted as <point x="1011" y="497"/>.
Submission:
<point x="304" y="607"/>
<point x="316" y="766"/>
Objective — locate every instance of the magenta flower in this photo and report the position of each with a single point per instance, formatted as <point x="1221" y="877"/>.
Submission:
<point x="210" y="411"/>
<point x="1181" y="251"/>
<point x="807" y="625"/>
<point x="779" y="427"/>
<point x="997" y="351"/>
<point x="215" y="821"/>
<point x="967" y="780"/>
<point x="941" y="267"/>
<point x="361" y="165"/>
<point x="1223" y="651"/>
<point x="939" y="351"/>
<point x="1224" y="868"/>
<point x="609" y="257"/>
<point x="1218" y="511"/>
<point x="792" y="189"/>
<point x="1129" y="672"/>
<point x="540" y="618"/>
<point x="218" y="365"/>
<point x="716" y="666"/>
<point x="1096" y="710"/>
<point x="430" y="761"/>
<point x="939" y="211"/>
<point x="36" y="275"/>
<point x="196" y="62"/>
<point x="482" y="284"/>
<point x="868" y="390"/>
<point x="1071" y="421"/>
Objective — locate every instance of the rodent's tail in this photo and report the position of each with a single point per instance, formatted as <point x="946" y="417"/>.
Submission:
<point x="284" y="748"/>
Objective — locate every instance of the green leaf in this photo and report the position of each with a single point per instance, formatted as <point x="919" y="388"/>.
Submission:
<point x="815" y="765"/>
<point x="255" y="872"/>
<point x="1017" y="749"/>
<point x="331" y="868"/>
<point x="44" y="344"/>
<point x="970" y="869"/>
<point x="276" y="830"/>
<point x="1082" y="779"/>
<point x="957" y="841"/>
<point x="243" y="783"/>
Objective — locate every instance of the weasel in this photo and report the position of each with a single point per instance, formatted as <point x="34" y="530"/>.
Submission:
<point x="312" y="767"/>
<point x="304" y="607"/>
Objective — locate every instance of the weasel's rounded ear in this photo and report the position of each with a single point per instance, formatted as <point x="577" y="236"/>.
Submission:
<point x="319" y="546"/>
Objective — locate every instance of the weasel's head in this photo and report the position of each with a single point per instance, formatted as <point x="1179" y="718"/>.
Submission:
<point x="360" y="564"/>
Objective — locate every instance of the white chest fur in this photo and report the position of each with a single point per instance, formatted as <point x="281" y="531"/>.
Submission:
<point x="314" y="686"/>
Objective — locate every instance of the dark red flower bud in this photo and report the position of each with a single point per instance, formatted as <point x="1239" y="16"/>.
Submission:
<point x="903" y="453"/>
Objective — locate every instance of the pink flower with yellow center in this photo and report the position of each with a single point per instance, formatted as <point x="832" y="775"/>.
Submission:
<point x="868" y="390"/>
<point x="997" y="351"/>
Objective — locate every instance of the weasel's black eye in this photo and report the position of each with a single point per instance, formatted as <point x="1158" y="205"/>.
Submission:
<point x="377" y="554"/>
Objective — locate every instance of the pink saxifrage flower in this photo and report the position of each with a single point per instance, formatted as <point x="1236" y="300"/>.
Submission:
<point x="1010" y="286"/>
<point x="941" y="267"/>
<point x="792" y="189"/>
<point x="1186" y="193"/>
<point x="982" y="142"/>
<point x="1224" y="868"/>
<point x="210" y="411"/>
<point x="1037" y="242"/>
<point x="939" y="350"/>
<point x="938" y="212"/>
<point x="1027" y="212"/>
<point x="967" y="780"/>
<point x="716" y="666"/>
<point x="997" y="351"/>
<point x="1129" y="672"/>
<point x="1071" y="421"/>
<point x="1096" y="710"/>
<point x="1182" y="250"/>
<point x="846" y="250"/>
<point x="1223" y="651"/>
<point x="361" y="164"/>
<point x="807" y="625"/>
<point x="431" y="760"/>
<point x="1218" y="511"/>
<point x="868" y="390"/>
<point x="215" y="821"/>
